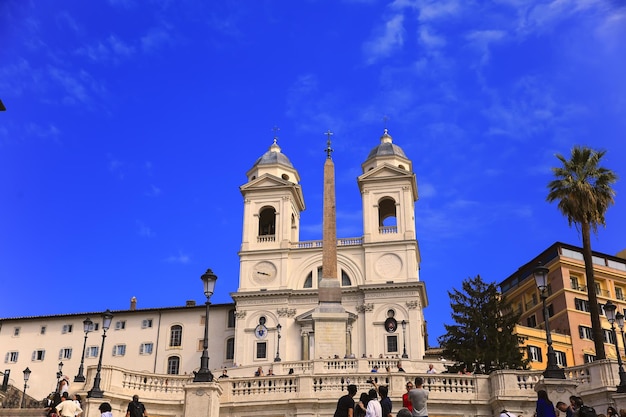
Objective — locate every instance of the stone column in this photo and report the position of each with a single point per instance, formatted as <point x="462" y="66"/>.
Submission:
<point x="202" y="399"/>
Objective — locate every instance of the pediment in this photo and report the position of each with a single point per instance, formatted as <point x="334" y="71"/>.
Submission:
<point x="385" y="171"/>
<point x="266" y="181"/>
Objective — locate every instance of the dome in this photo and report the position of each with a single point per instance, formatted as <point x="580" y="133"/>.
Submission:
<point x="386" y="148"/>
<point x="273" y="156"/>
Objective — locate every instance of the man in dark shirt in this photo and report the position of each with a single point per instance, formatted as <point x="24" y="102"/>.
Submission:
<point x="345" y="405"/>
<point x="385" y="401"/>
<point x="135" y="408"/>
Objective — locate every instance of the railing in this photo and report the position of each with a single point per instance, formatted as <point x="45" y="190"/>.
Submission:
<point x="351" y="241"/>
<point x="385" y="230"/>
<point x="266" y="238"/>
<point x="155" y="383"/>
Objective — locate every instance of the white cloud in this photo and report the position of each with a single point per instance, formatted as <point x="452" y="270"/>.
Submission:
<point x="144" y="230"/>
<point x="387" y="39"/>
<point x="429" y="39"/>
<point x="154" y="191"/>
<point x="155" y="39"/>
<point x="180" y="258"/>
<point x="50" y="131"/>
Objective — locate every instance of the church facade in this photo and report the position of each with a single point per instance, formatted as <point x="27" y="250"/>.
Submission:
<point x="347" y="297"/>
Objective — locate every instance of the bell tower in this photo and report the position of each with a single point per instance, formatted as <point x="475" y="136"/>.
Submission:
<point x="273" y="202"/>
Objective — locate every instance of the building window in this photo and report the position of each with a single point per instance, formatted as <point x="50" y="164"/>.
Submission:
<point x="267" y="221"/>
<point x="176" y="335"/>
<point x="619" y="293"/>
<point x="585" y="332"/>
<point x="120" y="325"/>
<point x="531" y="321"/>
<point x="11" y="357"/>
<point x="581" y="305"/>
<point x="67" y="328"/>
<point x="550" y="309"/>
<point x="561" y="360"/>
<point x="261" y="350"/>
<point x="65" y="353"/>
<point x="601" y="309"/>
<point x="38" y="355"/>
<point x="146" y="348"/>
<point x="16" y="331"/>
<point x="92" y="352"/>
<point x="345" y="279"/>
<point x="392" y="343"/>
<point x="173" y="365"/>
<point x="609" y="336"/>
<point x="231" y="318"/>
<point x="597" y="287"/>
<point x="589" y="358"/>
<point x="119" y="350"/>
<point x="42" y="330"/>
<point x="146" y="324"/>
<point x="534" y="354"/>
<point x="230" y="349"/>
<point x="573" y="280"/>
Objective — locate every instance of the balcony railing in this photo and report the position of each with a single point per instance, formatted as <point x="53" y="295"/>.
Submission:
<point x="386" y="230"/>
<point x="350" y="241"/>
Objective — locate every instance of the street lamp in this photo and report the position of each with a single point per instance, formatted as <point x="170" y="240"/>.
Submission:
<point x="96" y="392"/>
<point x="59" y="375"/>
<point x="26" y="376"/>
<point x="541" y="279"/>
<point x="277" y="358"/>
<point x="404" y="355"/>
<point x="204" y="373"/>
<point x="87" y="327"/>
<point x="609" y="310"/>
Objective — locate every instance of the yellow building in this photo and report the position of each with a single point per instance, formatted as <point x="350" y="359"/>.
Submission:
<point x="567" y="304"/>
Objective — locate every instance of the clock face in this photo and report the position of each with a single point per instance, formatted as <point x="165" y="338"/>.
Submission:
<point x="264" y="272"/>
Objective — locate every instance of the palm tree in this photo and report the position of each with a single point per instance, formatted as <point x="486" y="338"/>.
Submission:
<point x="583" y="191"/>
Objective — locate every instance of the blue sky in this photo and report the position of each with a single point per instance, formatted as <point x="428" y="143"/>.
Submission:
<point x="130" y="126"/>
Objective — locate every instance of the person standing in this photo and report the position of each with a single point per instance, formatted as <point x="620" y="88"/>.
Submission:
<point x="431" y="369"/>
<point x="345" y="405"/>
<point x="385" y="401"/>
<point x="406" y="403"/>
<point x="545" y="408"/>
<point x="105" y="410"/>
<point x="361" y="406"/>
<point x="419" y="399"/>
<point x="67" y="407"/>
<point x="373" y="406"/>
<point x="135" y="408"/>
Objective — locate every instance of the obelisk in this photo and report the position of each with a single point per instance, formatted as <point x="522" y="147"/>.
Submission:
<point x="330" y="318"/>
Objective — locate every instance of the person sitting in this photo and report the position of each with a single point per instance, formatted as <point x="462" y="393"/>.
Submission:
<point x="375" y="368"/>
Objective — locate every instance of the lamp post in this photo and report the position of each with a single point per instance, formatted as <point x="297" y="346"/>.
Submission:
<point x="59" y="375"/>
<point x="609" y="310"/>
<point x="404" y="355"/>
<point x="277" y="358"/>
<point x="26" y="377"/>
<point x="87" y="327"/>
<point x="95" y="391"/>
<point x="204" y="373"/>
<point x="541" y="279"/>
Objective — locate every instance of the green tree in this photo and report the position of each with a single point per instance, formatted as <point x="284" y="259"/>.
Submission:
<point x="584" y="192"/>
<point x="483" y="333"/>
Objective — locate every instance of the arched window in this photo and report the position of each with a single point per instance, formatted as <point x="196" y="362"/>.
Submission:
<point x="173" y="365"/>
<point x="345" y="279"/>
<point x="308" y="282"/>
<point x="267" y="221"/>
<point x="230" y="349"/>
<point x="387" y="221"/>
<point x="176" y="335"/>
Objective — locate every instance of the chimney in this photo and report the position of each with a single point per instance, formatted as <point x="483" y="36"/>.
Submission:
<point x="133" y="304"/>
